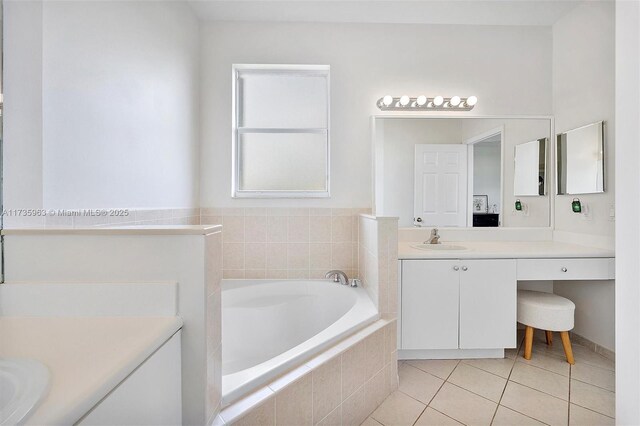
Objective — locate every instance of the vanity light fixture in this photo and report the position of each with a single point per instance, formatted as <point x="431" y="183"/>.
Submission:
<point x="424" y="103"/>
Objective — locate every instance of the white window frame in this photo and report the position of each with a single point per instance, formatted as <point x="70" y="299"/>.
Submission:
<point x="236" y="192"/>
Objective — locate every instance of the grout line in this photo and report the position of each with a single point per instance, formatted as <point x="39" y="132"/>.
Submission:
<point x="591" y="384"/>
<point x="569" y="395"/>
<point x="504" y="389"/>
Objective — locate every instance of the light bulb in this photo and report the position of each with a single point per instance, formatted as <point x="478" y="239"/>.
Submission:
<point x="454" y="101"/>
<point x="421" y="100"/>
<point x="387" y="100"/>
<point x="472" y="100"/>
<point x="438" y="100"/>
<point x="404" y="100"/>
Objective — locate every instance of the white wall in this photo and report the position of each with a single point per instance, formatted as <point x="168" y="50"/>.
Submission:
<point x="114" y="92"/>
<point x="583" y="92"/>
<point x="627" y="128"/>
<point x="508" y="68"/>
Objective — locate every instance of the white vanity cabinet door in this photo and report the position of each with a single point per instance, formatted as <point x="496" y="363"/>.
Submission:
<point x="488" y="298"/>
<point x="430" y="304"/>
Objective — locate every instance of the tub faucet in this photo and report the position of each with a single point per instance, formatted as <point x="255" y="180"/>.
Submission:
<point x="434" y="238"/>
<point x="338" y="277"/>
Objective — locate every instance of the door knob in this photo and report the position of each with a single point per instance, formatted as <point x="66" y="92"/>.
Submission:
<point x="464" y="268"/>
<point x="456" y="268"/>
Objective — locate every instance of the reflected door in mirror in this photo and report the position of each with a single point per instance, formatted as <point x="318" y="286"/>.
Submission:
<point x="581" y="160"/>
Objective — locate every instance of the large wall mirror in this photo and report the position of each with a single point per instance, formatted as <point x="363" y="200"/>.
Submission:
<point x="581" y="160"/>
<point x="462" y="172"/>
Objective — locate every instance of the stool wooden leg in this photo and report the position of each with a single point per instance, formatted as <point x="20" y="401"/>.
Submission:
<point x="549" y="337"/>
<point x="566" y="343"/>
<point x="528" y="342"/>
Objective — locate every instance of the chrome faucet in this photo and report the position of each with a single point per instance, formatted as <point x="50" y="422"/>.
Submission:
<point x="434" y="238"/>
<point x="338" y="277"/>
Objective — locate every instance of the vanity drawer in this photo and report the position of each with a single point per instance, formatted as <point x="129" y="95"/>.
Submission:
<point x="566" y="269"/>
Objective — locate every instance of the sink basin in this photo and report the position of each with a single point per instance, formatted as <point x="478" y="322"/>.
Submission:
<point x="23" y="383"/>
<point x="439" y="247"/>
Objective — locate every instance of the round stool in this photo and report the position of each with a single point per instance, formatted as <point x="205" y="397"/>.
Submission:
<point x="549" y="312"/>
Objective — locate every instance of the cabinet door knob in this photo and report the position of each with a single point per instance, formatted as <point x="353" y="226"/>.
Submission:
<point x="564" y="269"/>
<point x="456" y="268"/>
<point x="464" y="268"/>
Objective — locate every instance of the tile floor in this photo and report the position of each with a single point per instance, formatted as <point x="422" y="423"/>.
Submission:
<point x="510" y="391"/>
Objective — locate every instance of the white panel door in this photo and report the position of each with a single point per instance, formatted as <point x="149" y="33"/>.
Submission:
<point x="430" y="304"/>
<point x="440" y="190"/>
<point x="488" y="297"/>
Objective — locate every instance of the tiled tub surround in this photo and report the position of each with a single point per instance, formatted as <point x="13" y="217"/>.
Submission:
<point x="213" y="323"/>
<point x="182" y="216"/>
<point x="378" y="261"/>
<point x="287" y="243"/>
<point x="341" y="386"/>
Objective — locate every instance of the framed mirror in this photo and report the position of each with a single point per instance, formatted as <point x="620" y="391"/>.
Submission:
<point x="530" y="168"/>
<point x="581" y="160"/>
<point x="457" y="171"/>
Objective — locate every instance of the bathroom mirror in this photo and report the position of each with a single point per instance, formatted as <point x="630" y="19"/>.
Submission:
<point x="458" y="171"/>
<point x="530" y="166"/>
<point x="581" y="160"/>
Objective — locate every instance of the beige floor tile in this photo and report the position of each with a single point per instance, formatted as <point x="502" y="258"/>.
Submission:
<point x="499" y="366"/>
<point x="542" y="380"/>
<point x="579" y="416"/>
<point x="463" y="406"/>
<point x="507" y="417"/>
<point x="511" y="353"/>
<point x="479" y="381"/>
<point x="552" y="363"/>
<point x="370" y="422"/>
<point x="593" y="398"/>
<point x="535" y="404"/>
<point x="438" y="367"/>
<point x="596" y="376"/>
<point x="398" y="409"/>
<point x="431" y="417"/>
<point x="587" y="356"/>
<point x="418" y="384"/>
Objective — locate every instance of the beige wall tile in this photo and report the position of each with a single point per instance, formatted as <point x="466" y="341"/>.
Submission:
<point x="255" y="229"/>
<point x="376" y="390"/>
<point x="327" y="387"/>
<point x="255" y="255"/>
<point x="276" y="256"/>
<point x="317" y="274"/>
<point x="298" y="211"/>
<point x="374" y="359"/>
<point x="341" y="229"/>
<point x="232" y="211"/>
<point x="277" y="229"/>
<point x="233" y="255"/>
<point x="320" y="256"/>
<point x="297" y="256"/>
<point x="263" y="415"/>
<point x="255" y="211"/>
<point x="298" y="229"/>
<point x="298" y="274"/>
<point x="276" y="274"/>
<point x="255" y="274"/>
<point x="211" y="220"/>
<point x="213" y="317"/>
<point x="390" y="341"/>
<point x="233" y="229"/>
<point x="321" y="211"/>
<point x="334" y="418"/>
<point x="341" y="257"/>
<point x="234" y="274"/>
<point x="320" y="229"/>
<point x="353" y="369"/>
<point x="354" y="409"/>
<point x="294" y="403"/>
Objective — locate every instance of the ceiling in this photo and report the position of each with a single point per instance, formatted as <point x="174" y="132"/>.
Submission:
<point x="461" y="12"/>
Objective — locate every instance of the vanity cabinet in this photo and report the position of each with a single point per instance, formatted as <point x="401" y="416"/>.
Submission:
<point x="458" y="304"/>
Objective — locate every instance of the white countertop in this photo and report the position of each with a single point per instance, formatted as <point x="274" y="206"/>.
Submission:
<point x="119" y="230"/>
<point x="503" y="250"/>
<point x="87" y="357"/>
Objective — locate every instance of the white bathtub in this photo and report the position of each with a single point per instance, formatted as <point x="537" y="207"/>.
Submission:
<point x="269" y="327"/>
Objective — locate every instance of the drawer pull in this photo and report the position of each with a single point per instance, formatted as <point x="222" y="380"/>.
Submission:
<point x="564" y="269"/>
<point x="464" y="268"/>
<point x="456" y="268"/>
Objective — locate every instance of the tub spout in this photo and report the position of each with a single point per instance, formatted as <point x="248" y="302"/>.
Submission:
<point x="337" y="277"/>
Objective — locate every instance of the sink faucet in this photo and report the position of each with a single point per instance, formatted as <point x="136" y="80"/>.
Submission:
<point x="434" y="238"/>
<point x="338" y="277"/>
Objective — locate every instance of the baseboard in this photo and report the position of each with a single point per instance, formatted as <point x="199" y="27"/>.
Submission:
<point x="449" y="353"/>
<point x="607" y="353"/>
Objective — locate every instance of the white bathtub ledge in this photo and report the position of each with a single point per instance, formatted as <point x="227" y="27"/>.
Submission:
<point x="87" y="357"/>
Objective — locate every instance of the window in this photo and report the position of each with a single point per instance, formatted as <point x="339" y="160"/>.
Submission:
<point x="280" y="131"/>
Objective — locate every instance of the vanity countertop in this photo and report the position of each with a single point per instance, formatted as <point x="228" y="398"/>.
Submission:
<point x="87" y="357"/>
<point x="503" y="250"/>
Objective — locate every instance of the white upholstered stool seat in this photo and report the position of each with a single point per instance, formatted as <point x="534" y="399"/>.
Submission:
<point x="549" y="312"/>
